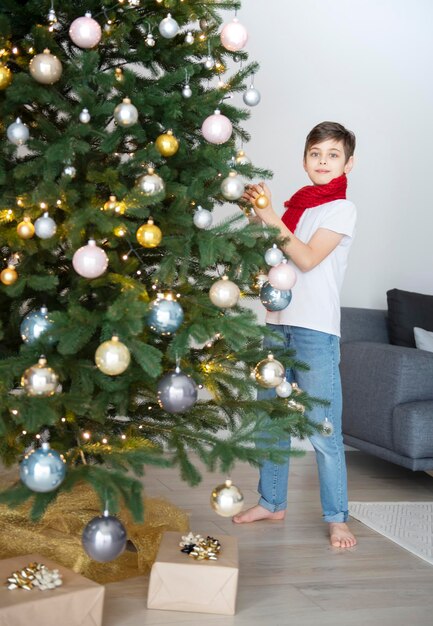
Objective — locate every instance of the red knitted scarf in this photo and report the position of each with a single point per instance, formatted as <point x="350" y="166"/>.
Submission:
<point x="311" y="196"/>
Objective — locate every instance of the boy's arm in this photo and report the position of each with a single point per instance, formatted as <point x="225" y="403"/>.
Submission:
<point x="304" y="255"/>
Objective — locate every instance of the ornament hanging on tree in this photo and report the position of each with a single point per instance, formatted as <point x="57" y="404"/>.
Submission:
<point x="209" y="62"/>
<point x="241" y="158"/>
<point x="150" y="39"/>
<point x="151" y="183"/>
<point x="40" y="380"/>
<point x="104" y="538"/>
<point x="85" y="116"/>
<point x="90" y="261"/>
<point x="261" y="202"/>
<point x="186" y="89"/>
<point x="203" y="23"/>
<point x="52" y="17"/>
<point x="224" y="293"/>
<point x="45" y="226"/>
<point x="18" y="133"/>
<point x="167" y="144"/>
<point x="217" y="128"/>
<point x="284" y="389"/>
<point x="177" y="392"/>
<point x="274" y="256"/>
<point x="43" y="470"/>
<point x="274" y="299"/>
<point x="168" y="27"/>
<point x="115" y="206"/>
<point x="252" y="96"/>
<point x="234" y="36"/>
<point x="269" y="372"/>
<point x="9" y="275"/>
<point x="189" y="38"/>
<point x="85" y="32"/>
<point x="259" y="280"/>
<point x="25" y="229"/>
<point x="149" y="235"/>
<point x="126" y="114"/>
<point x="45" y="68"/>
<point x="5" y="77"/>
<point x="165" y="314"/>
<point x="232" y="187"/>
<point x="202" y="218"/>
<point x="69" y="170"/>
<point x="282" y="276"/>
<point x="112" y="357"/>
<point x="226" y="499"/>
<point x="35" y="324"/>
<point x="327" y="428"/>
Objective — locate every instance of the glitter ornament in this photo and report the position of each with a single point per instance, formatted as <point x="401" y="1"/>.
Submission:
<point x="39" y="380"/>
<point x="284" y="389"/>
<point x="167" y="144"/>
<point x="274" y="299"/>
<point x="35" y="324"/>
<point x="269" y="372"/>
<point x="202" y="218"/>
<point x="282" y="276"/>
<point x="126" y="114"/>
<point x="43" y="470"/>
<point x="45" y="68"/>
<point x="234" y="36"/>
<point x="85" y="116"/>
<point x="9" y="275"/>
<point x="85" y="32"/>
<point x="226" y="499"/>
<point x="177" y="392"/>
<point x="224" y="293"/>
<point x="274" y="256"/>
<point x="104" y="538"/>
<point x="217" y="128"/>
<point x="165" y="314"/>
<point x="90" y="261"/>
<point x="251" y="96"/>
<point x="232" y="187"/>
<point x="18" y="133"/>
<point x="25" y="229"/>
<point x="45" y="226"/>
<point x="327" y="428"/>
<point x="151" y="183"/>
<point x="115" y="206"/>
<point x="149" y="235"/>
<point x="112" y="357"/>
<point x="168" y="27"/>
<point x="6" y="77"/>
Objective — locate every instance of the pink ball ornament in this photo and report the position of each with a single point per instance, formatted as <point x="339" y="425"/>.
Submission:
<point x="90" y="261"/>
<point x="85" y="32"/>
<point x="234" y="36"/>
<point x="282" y="276"/>
<point x="217" y="128"/>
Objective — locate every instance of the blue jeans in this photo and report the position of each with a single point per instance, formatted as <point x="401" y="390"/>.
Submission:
<point x="322" y="353"/>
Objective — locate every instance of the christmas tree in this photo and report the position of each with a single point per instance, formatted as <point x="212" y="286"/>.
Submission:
<point x="125" y="335"/>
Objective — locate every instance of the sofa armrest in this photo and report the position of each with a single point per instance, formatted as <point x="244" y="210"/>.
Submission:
<point x="413" y="429"/>
<point x="364" y="325"/>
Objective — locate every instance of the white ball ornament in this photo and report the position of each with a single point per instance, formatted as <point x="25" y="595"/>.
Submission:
<point x="202" y="218"/>
<point x="217" y="128"/>
<point x="168" y="27"/>
<point x="251" y="96"/>
<point x="189" y="38"/>
<point x="284" y="389"/>
<point x="45" y="226"/>
<point x="186" y="91"/>
<point x="90" y="261"/>
<point x="282" y="276"/>
<point x="112" y="357"/>
<point x="85" y="32"/>
<point x="85" y="116"/>
<point x="274" y="256"/>
<point x="209" y="62"/>
<point x="126" y="114"/>
<point x="151" y="183"/>
<point x="45" y="68"/>
<point x="70" y="170"/>
<point x="150" y="40"/>
<point x="232" y="187"/>
<point x="234" y="36"/>
<point x="224" y="293"/>
<point x="18" y="133"/>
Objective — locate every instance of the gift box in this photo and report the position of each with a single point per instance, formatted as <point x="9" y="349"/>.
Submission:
<point x="180" y="583"/>
<point x="78" y="602"/>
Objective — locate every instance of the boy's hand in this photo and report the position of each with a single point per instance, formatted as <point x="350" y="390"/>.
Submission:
<point x="252" y="192"/>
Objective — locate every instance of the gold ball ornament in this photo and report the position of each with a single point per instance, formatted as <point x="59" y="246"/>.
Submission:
<point x="269" y="372"/>
<point x="112" y="357"/>
<point x="227" y="499"/>
<point x="40" y="380"/>
<point x="9" y="275"/>
<point x="5" y="77"/>
<point x="261" y="202"/>
<point x="149" y="235"/>
<point x="167" y="144"/>
<point x="25" y="229"/>
<point x="45" y="68"/>
<point x="115" y="205"/>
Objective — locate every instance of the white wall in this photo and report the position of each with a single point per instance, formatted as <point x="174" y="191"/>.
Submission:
<point x="367" y="65"/>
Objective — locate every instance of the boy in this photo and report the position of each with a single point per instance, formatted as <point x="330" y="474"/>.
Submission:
<point x="320" y="224"/>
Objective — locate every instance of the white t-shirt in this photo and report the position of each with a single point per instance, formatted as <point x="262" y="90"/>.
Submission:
<point x="316" y="295"/>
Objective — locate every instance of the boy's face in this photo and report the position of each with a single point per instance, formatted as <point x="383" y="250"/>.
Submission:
<point x="325" y="161"/>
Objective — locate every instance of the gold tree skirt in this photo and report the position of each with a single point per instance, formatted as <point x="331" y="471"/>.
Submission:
<point x="58" y="535"/>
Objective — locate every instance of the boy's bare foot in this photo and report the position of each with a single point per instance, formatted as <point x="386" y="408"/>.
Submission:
<point x="257" y="513"/>
<point x="340" y="535"/>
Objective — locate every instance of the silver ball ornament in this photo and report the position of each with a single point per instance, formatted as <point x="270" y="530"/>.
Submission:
<point x="186" y="91"/>
<point x="189" y="38"/>
<point x="177" y="392"/>
<point x="45" y="68"/>
<point x="224" y="293"/>
<point x="232" y="187"/>
<point x="40" y="380"/>
<point x="251" y="96"/>
<point x="85" y="116"/>
<point x="69" y="170"/>
<point x="126" y="114"/>
<point x="273" y="256"/>
<point x="18" y="133"/>
<point x="35" y="324"/>
<point x="150" y="40"/>
<point x="168" y="27"/>
<point x="284" y="389"/>
<point x="269" y="372"/>
<point x="209" y="62"/>
<point x="226" y="499"/>
<point x="202" y="218"/>
<point x="327" y="428"/>
<point x="165" y="314"/>
<point x="112" y="357"/>
<point x="43" y="470"/>
<point x="274" y="299"/>
<point x="45" y="226"/>
<point x="241" y="158"/>
<point x="151" y="184"/>
<point x="104" y="538"/>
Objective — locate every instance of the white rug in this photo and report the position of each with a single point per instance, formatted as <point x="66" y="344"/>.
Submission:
<point x="410" y="524"/>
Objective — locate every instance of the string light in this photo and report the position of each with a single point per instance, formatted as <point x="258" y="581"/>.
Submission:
<point x="14" y="412"/>
<point x="24" y="432"/>
<point x="63" y="419"/>
<point x="86" y="435"/>
<point x="104" y="440"/>
<point x="123" y="437"/>
<point x="38" y="436"/>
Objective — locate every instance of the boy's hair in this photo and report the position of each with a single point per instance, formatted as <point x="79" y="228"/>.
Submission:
<point x="331" y="130"/>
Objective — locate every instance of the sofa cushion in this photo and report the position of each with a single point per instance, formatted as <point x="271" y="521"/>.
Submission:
<point x="413" y="429"/>
<point x="405" y="311"/>
<point x="423" y="339"/>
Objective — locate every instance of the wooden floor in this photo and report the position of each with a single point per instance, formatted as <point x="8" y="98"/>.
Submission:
<point x="288" y="573"/>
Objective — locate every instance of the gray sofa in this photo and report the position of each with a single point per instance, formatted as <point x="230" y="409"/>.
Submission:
<point x="387" y="392"/>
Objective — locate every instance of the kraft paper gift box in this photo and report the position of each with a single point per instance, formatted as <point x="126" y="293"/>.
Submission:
<point x="78" y="602"/>
<point x="180" y="583"/>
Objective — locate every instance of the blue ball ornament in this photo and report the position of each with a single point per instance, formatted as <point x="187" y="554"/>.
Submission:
<point x="274" y="299"/>
<point x="43" y="469"/>
<point x="165" y="315"/>
<point x="177" y="392"/>
<point x="35" y="324"/>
